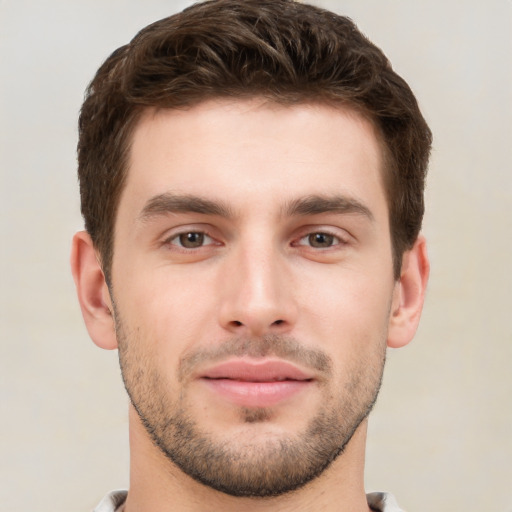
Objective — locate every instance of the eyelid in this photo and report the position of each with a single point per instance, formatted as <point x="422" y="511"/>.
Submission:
<point x="337" y="241"/>
<point x="174" y="233"/>
<point x="342" y="236"/>
<point x="177" y="236"/>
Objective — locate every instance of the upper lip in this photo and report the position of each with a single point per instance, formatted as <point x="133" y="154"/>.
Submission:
<point x="254" y="370"/>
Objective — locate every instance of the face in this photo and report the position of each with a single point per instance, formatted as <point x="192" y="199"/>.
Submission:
<point x="252" y="286"/>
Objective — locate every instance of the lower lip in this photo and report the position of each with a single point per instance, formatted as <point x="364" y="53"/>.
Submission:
<point x="256" y="394"/>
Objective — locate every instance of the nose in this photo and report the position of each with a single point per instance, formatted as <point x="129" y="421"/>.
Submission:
<point x="257" y="294"/>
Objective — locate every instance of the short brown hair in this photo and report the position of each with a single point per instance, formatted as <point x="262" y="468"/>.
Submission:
<point x="282" y="50"/>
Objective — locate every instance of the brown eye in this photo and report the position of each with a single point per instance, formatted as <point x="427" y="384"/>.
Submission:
<point x="321" y="240"/>
<point x="191" y="240"/>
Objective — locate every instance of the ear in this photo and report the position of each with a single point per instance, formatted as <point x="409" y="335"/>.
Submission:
<point x="409" y="295"/>
<point x="93" y="293"/>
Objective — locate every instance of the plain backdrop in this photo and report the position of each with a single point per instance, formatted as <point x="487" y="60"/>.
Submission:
<point x="441" y="434"/>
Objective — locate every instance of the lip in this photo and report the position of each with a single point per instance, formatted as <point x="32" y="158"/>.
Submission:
<point x="256" y="383"/>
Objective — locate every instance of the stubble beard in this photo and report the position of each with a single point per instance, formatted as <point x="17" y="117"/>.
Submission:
<point x="251" y="466"/>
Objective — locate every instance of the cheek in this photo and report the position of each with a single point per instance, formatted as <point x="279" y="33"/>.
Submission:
<point x="351" y="310"/>
<point x="166" y="311"/>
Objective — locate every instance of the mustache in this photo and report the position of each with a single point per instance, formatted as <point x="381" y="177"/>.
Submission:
<point x="283" y="347"/>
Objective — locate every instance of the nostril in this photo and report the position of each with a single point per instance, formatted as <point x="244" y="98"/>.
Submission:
<point x="237" y="323"/>
<point x="278" y="322"/>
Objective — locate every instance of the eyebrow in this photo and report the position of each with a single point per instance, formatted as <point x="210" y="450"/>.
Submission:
<point x="317" y="204"/>
<point x="166" y="203"/>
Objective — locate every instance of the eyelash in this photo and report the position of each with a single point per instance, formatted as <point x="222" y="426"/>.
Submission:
<point x="178" y="237"/>
<point x="335" y="240"/>
<point x="177" y="241"/>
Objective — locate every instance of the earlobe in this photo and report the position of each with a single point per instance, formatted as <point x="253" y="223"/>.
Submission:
<point x="409" y="295"/>
<point x="92" y="291"/>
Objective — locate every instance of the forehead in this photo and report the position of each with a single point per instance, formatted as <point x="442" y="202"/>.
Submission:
<point x="229" y="148"/>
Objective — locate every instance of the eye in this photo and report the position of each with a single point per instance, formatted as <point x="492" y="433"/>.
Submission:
<point x="191" y="240"/>
<point x="320" y="240"/>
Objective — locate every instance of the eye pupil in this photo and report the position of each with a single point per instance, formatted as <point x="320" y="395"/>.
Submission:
<point x="191" y="240"/>
<point x="321" y="240"/>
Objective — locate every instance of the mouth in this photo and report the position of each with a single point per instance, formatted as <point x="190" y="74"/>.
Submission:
<point x="256" y="383"/>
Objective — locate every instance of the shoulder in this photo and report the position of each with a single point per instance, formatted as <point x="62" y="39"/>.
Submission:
<point x="383" y="502"/>
<point x="112" y="501"/>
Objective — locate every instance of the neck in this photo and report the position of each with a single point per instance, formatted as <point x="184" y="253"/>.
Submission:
<point x="157" y="484"/>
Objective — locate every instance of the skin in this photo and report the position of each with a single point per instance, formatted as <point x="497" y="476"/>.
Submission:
<point x="259" y="272"/>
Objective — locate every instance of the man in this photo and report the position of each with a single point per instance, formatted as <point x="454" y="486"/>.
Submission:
<point x="251" y="177"/>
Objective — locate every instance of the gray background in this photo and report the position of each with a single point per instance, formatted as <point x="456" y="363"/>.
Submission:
<point x="441" y="435"/>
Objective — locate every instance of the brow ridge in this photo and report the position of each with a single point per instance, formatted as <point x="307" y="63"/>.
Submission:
<point x="318" y="204"/>
<point x="167" y="202"/>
